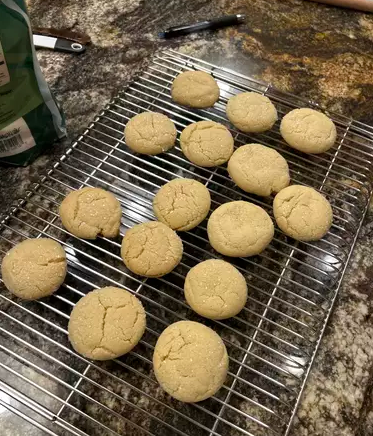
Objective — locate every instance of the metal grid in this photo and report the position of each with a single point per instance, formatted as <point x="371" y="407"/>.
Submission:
<point x="271" y="343"/>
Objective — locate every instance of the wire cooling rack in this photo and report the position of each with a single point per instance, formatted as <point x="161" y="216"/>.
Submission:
<point x="271" y="343"/>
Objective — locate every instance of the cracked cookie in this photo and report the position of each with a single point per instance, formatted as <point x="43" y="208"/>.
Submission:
<point x="239" y="229"/>
<point x="106" y="323"/>
<point x="34" y="268"/>
<point x="150" y="133"/>
<point x="151" y="249"/>
<point x="195" y="89"/>
<point x="308" y="130"/>
<point x="190" y="361"/>
<point x="302" y="213"/>
<point x="206" y="143"/>
<point x="215" y="289"/>
<point x="258" y="169"/>
<point x="182" y="204"/>
<point x="89" y="212"/>
<point x="251" y="112"/>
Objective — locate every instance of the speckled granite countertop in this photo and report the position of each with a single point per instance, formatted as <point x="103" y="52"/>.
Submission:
<point x="319" y="52"/>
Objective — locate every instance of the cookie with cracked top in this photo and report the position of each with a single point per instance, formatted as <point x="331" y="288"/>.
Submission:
<point x="258" y="169"/>
<point x="34" y="268"/>
<point x="190" y="361"/>
<point x="182" y="204"/>
<point x="308" y="130"/>
<point x="106" y="323"/>
<point x="151" y="249"/>
<point x="207" y="143"/>
<point x="150" y="133"/>
<point x="239" y="229"/>
<point x="215" y="289"/>
<point x="89" y="212"/>
<point x="195" y="89"/>
<point x="302" y="213"/>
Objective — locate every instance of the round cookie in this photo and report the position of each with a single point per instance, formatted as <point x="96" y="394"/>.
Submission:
<point x="89" y="212"/>
<point x="258" y="169"/>
<point x="106" y="323"/>
<point x="190" y="361"/>
<point x="308" y="130"/>
<point x="207" y="143"/>
<point x="182" y="204"/>
<point x="195" y="89"/>
<point x="239" y="229"/>
<point x="215" y="289"/>
<point x="150" y="133"/>
<point x="34" y="268"/>
<point x="302" y="213"/>
<point x="151" y="249"/>
<point x="251" y="112"/>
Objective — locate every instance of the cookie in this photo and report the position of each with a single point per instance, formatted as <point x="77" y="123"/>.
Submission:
<point x="90" y="212"/>
<point x="190" y="361"/>
<point x="182" y="204"/>
<point x="150" y="133"/>
<point x="215" y="289"/>
<point x="151" y="249"/>
<point x="258" y="169"/>
<point x="302" y="213"/>
<point x="308" y="130"/>
<point x="34" y="268"/>
<point x="106" y="323"/>
<point x="195" y="89"/>
<point x="251" y="112"/>
<point x="239" y="229"/>
<point x="206" y="143"/>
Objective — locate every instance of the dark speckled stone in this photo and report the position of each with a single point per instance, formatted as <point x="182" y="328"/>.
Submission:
<point x="319" y="52"/>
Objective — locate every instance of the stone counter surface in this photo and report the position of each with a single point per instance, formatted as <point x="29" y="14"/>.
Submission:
<point x="319" y="52"/>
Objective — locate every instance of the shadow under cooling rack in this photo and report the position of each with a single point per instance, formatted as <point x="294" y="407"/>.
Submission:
<point x="292" y="285"/>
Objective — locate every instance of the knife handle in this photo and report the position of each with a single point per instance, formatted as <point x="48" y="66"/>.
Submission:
<point x="68" y="46"/>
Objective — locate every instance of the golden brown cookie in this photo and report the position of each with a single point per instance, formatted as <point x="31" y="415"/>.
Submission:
<point x="34" y="268"/>
<point x="302" y="213"/>
<point x="150" y="133"/>
<point x="258" y="169"/>
<point x="182" y="204"/>
<point x="90" y="212"/>
<point x="195" y="89"/>
<point x="215" y="289"/>
<point x="251" y="112"/>
<point x="151" y="249"/>
<point x="106" y="323"/>
<point x="239" y="229"/>
<point x="308" y="130"/>
<point x="190" y="361"/>
<point x="207" y="143"/>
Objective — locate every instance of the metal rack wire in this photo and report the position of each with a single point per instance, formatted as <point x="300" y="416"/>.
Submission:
<point x="271" y="343"/>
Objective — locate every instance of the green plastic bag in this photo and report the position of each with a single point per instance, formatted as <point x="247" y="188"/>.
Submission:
<point x="30" y="120"/>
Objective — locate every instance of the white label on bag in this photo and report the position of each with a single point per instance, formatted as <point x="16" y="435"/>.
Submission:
<point x="15" y="138"/>
<point x="4" y="73"/>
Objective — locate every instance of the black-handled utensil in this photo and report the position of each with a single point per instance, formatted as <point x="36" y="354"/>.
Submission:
<point x="58" y="44"/>
<point x="217" y="23"/>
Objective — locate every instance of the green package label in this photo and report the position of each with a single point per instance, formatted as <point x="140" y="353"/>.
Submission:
<point x="30" y="119"/>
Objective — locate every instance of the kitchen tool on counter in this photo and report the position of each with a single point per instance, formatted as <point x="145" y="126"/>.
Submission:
<point x="364" y="5"/>
<point x="60" y="40"/>
<point x="217" y="23"/>
<point x="292" y="286"/>
<point x="58" y="44"/>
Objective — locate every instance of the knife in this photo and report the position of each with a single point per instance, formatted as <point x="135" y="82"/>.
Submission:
<point x="58" y="44"/>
